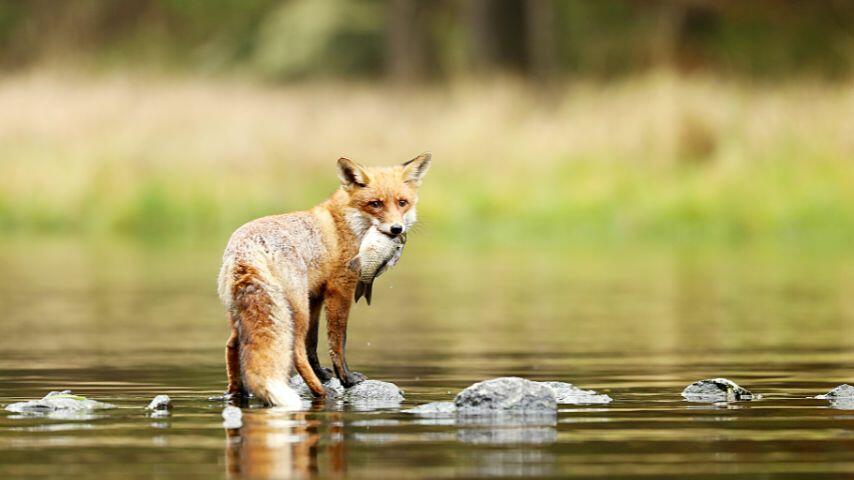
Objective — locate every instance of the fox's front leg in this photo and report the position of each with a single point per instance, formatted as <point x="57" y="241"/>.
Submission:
<point x="315" y="306"/>
<point x="337" y="311"/>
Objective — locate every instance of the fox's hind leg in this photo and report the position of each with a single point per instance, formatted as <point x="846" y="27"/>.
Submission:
<point x="232" y="363"/>
<point x="301" y="319"/>
<point x="264" y="328"/>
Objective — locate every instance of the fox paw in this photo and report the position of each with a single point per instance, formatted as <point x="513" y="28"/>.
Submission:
<point x="353" y="378"/>
<point x="324" y="374"/>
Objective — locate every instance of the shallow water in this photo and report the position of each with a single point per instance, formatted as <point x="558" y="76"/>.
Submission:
<point x="122" y="322"/>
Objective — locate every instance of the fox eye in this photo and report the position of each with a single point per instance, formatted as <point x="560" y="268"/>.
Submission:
<point x="402" y="202"/>
<point x="375" y="203"/>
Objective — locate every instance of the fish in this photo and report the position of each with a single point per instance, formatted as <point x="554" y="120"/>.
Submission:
<point x="377" y="253"/>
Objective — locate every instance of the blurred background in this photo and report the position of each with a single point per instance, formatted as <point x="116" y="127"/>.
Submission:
<point x="550" y="122"/>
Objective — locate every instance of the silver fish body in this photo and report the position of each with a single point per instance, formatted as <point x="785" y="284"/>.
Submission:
<point x="377" y="253"/>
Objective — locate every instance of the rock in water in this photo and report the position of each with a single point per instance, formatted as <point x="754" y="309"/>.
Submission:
<point x="716" y="390"/>
<point x="567" y="393"/>
<point x="232" y="417"/>
<point x="374" y="391"/>
<point x="160" y="402"/>
<point x="564" y="393"/>
<point x="58" y="401"/>
<point x="842" y="391"/>
<point x="506" y="394"/>
<point x="434" y="409"/>
<point x="333" y="387"/>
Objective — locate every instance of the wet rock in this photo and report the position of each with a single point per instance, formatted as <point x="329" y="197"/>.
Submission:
<point x="333" y="387"/>
<point x="60" y="401"/>
<point x="842" y="391"/>
<point x="434" y="409"/>
<point x="564" y="393"/>
<point x="716" y="390"/>
<point x="232" y="417"/>
<point x="505" y="394"/>
<point x="567" y="393"/>
<point x="374" y="391"/>
<point x="160" y="402"/>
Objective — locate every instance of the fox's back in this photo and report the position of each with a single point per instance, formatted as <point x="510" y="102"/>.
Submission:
<point x="295" y="235"/>
<point x="283" y="249"/>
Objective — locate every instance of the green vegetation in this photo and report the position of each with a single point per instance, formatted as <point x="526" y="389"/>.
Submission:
<point x="659" y="157"/>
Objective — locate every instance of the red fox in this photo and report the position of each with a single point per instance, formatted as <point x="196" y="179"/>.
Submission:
<point x="278" y="272"/>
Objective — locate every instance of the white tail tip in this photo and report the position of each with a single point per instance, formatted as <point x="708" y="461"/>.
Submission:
<point x="281" y="395"/>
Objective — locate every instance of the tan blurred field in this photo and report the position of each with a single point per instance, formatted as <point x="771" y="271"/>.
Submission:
<point x="656" y="157"/>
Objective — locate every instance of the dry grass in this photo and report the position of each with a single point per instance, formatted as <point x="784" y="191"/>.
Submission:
<point x="658" y="156"/>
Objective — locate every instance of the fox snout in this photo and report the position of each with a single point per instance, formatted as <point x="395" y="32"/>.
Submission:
<point x="393" y="229"/>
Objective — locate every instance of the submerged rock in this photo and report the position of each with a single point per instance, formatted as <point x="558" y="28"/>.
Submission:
<point x="433" y="409"/>
<point x="842" y="391"/>
<point x="374" y="391"/>
<point x="64" y="401"/>
<point x="160" y="402"/>
<point x="232" y="417"/>
<point x="567" y="393"/>
<point x="506" y="394"/>
<point x="333" y="387"/>
<point x="716" y="390"/>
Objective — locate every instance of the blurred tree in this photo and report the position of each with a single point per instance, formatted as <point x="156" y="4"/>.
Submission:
<point x="421" y="39"/>
<point x="540" y="27"/>
<point x="406" y="40"/>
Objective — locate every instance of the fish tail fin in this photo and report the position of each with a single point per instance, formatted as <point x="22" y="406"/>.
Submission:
<point x="369" y="287"/>
<point x="360" y="290"/>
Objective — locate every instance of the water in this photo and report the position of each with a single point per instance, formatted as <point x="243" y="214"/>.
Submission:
<point x="122" y="322"/>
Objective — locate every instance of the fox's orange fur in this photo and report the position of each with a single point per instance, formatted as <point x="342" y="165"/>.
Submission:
<point x="279" y="271"/>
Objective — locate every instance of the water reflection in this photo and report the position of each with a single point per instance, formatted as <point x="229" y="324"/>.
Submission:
<point x="515" y="463"/>
<point x="277" y="444"/>
<point x="842" y="403"/>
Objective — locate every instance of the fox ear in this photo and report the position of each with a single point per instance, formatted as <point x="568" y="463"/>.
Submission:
<point x="352" y="174"/>
<point x="415" y="169"/>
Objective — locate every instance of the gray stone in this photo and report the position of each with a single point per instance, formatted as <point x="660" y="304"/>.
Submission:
<point x="373" y="391"/>
<point x="333" y="387"/>
<point x="160" y="402"/>
<point x="434" y="409"/>
<point x="716" y="390"/>
<point x="232" y="417"/>
<point x="567" y="393"/>
<point x="505" y="394"/>
<point x="61" y="401"/>
<point x="842" y="391"/>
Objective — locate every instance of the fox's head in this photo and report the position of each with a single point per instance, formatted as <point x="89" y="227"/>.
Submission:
<point x="384" y="197"/>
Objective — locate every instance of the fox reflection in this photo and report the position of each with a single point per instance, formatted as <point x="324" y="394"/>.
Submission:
<point x="274" y="445"/>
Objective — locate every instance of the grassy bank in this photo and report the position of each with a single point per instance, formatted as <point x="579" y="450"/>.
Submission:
<point x="659" y="157"/>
